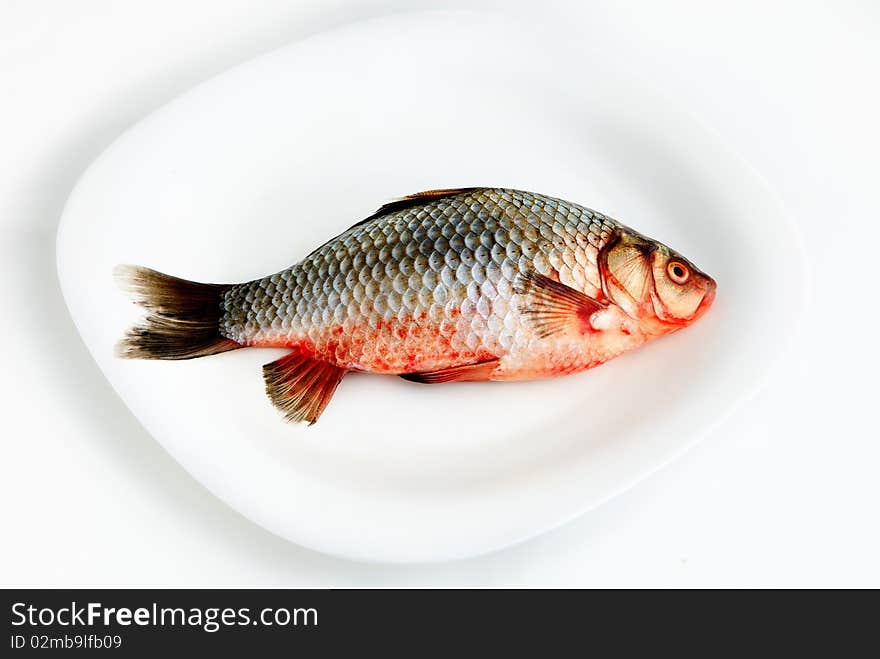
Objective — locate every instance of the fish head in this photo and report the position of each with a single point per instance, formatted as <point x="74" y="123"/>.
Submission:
<point x="653" y="284"/>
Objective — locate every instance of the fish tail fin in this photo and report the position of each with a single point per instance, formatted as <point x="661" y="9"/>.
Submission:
<point x="183" y="317"/>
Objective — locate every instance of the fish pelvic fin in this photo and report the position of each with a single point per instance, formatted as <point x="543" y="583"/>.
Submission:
<point x="551" y="307"/>
<point x="478" y="372"/>
<point x="182" y="320"/>
<point x="301" y="386"/>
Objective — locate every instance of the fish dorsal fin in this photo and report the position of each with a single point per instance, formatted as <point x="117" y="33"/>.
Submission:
<point x="477" y="372"/>
<point x="301" y="386"/>
<point x="416" y="199"/>
<point x="551" y="306"/>
<point x="400" y="204"/>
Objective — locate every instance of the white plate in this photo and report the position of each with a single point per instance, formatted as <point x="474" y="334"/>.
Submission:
<point x="248" y="172"/>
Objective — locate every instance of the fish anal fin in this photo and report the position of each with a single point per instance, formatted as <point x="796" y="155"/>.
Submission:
<point x="552" y="307"/>
<point x="301" y="386"/>
<point x="477" y="372"/>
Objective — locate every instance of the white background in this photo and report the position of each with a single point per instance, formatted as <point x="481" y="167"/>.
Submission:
<point x="784" y="493"/>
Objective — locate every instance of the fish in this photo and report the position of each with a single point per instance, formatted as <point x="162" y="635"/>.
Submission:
<point x="452" y="285"/>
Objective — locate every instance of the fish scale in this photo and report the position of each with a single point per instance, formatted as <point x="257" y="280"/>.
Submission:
<point x="425" y="287"/>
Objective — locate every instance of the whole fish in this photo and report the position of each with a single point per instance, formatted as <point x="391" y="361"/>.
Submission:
<point x="444" y="285"/>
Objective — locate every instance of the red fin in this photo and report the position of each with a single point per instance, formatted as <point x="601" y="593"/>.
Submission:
<point x="301" y="386"/>
<point x="552" y="307"/>
<point x="466" y="373"/>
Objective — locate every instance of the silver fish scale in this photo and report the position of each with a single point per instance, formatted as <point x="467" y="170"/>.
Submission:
<point x="424" y="287"/>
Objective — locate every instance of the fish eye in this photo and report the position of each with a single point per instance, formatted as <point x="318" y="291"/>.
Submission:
<point x="678" y="272"/>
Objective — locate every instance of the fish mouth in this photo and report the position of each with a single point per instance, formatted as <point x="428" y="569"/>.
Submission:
<point x="673" y="323"/>
<point x="707" y="301"/>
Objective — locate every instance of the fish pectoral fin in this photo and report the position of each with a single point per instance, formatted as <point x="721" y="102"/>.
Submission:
<point x="301" y="386"/>
<point x="477" y="372"/>
<point x="550" y="306"/>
